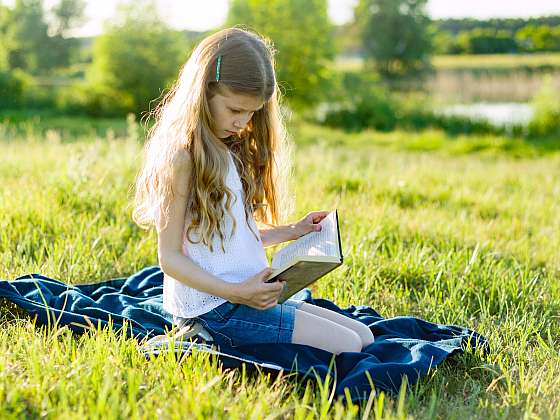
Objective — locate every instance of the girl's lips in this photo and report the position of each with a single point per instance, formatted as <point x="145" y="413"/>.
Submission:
<point x="233" y="133"/>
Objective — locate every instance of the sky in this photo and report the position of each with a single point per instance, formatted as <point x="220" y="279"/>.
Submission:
<point x="201" y="15"/>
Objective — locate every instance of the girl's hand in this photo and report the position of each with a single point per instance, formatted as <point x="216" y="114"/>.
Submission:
<point x="309" y="223"/>
<point x="258" y="294"/>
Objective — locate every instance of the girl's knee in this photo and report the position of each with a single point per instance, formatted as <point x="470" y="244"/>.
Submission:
<point x="351" y="341"/>
<point x="366" y="335"/>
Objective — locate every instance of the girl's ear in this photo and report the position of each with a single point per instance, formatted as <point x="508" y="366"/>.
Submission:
<point x="208" y="94"/>
<point x="211" y="90"/>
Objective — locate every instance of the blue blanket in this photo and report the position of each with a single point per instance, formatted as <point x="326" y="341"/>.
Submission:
<point x="404" y="346"/>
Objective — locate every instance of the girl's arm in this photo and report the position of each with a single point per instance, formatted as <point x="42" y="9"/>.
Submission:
<point x="170" y="240"/>
<point x="272" y="235"/>
<point x="181" y="268"/>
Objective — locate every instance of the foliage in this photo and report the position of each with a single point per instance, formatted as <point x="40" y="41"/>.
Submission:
<point x="365" y="104"/>
<point x="539" y="38"/>
<point x="395" y="36"/>
<point x="486" y="41"/>
<point x="66" y="15"/>
<point x="26" y="36"/>
<point x="546" y="105"/>
<point x="496" y="36"/>
<point x="96" y="100"/>
<point x="368" y="104"/>
<point x="512" y="25"/>
<point x="134" y="60"/>
<point x="303" y="38"/>
<point x="14" y="86"/>
<point x="4" y="21"/>
<point x="37" y="41"/>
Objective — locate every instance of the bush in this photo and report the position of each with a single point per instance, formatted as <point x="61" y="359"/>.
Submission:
<point x="367" y="104"/>
<point x="94" y="100"/>
<point x="546" y="117"/>
<point x="359" y="102"/>
<point x="14" y="84"/>
<point x="136" y="58"/>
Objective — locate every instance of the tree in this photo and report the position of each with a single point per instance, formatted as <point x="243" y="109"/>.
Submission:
<point x="35" y="42"/>
<point x="26" y="36"/>
<point x="303" y="38"/>
<point x="487" y="41"/>
<point x="396" y="36"/>
<point x="136" y="57"/>
<point x="64" y="16"/>
<point x="4" y="41"/>
<point x="539" y="38"/>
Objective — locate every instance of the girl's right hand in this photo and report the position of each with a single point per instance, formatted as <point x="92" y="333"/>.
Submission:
<point x="258" y="294"/>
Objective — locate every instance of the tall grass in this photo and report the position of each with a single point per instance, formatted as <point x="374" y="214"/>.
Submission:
<point x="482" y="78"/>
<point x="478" y="61"/>
<point x="430" y="227"/>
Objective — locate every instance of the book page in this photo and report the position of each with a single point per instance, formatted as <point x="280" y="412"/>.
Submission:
<point x="324" y="243"/>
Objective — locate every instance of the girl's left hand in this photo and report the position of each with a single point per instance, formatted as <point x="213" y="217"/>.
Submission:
<point x="309" y="223"/>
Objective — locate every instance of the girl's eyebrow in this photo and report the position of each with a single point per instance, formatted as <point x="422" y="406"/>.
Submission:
<point x="247" y="110"/>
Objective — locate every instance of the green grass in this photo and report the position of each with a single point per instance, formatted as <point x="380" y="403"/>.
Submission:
<point x="497" y="61"/>
<point x="479" y="61"/>
<point x="455" y="230"/>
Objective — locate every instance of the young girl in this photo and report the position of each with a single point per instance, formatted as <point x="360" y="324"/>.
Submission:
<point x="212" y="170"/>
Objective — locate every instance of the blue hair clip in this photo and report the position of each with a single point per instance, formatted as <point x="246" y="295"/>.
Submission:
<point x="218" y="68"/>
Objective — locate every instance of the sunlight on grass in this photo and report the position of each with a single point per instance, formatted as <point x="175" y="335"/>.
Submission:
<point x="454" y="230"/>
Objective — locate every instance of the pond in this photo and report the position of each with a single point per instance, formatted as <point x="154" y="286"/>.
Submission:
<point x="500" y="114"/>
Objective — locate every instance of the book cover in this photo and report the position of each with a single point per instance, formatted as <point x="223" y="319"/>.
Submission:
<point x="308" y="258"/>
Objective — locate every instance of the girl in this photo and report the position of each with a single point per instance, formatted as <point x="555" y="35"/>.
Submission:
<point x="212" y="169"/>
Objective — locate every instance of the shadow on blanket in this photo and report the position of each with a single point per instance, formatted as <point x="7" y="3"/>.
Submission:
<point x="404" y="346"/>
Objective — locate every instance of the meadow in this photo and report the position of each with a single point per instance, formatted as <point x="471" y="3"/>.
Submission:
<point x="478" y="61"/>
<point x="481" y="78"/>
<point x="456" y="230"/>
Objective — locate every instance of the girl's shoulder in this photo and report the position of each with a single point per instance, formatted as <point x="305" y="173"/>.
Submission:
<point x="181" y="160"/>
<point x="181" y="164"/>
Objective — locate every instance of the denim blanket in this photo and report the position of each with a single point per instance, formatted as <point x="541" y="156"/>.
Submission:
<point x="404" y="346"/>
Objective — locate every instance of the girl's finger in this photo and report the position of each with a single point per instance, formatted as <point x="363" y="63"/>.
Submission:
<point x="320" y="216"/>
<point x="274" y="286"/>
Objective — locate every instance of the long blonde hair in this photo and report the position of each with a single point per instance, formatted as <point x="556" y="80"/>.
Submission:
<point x="183" y="122"/>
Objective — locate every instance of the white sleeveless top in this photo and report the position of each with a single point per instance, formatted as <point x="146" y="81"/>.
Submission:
<point x="244" y="257"/>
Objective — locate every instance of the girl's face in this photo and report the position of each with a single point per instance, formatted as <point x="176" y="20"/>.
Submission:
<point x="232" y="112"/>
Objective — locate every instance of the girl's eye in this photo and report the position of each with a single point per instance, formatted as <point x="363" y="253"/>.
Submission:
<point x="236" y="111"/>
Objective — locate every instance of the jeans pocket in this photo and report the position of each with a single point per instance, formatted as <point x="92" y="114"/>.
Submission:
<point x="225" y="310"/>
<point x="214" y="327"/>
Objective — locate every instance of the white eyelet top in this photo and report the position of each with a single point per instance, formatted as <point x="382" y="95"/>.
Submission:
<point x="244" y="257"/>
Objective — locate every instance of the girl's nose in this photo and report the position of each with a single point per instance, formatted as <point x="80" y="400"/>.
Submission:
<point x="242" y="122"/>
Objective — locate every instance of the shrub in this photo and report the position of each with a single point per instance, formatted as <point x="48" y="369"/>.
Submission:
<point x="94" y="100"/>
<point x="367" y="104"/>
<point x="13" y="87"/>
<point x="364" y="104"/>
<point x="546" y="117"/>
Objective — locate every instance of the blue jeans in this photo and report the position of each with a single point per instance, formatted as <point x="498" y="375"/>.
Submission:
<point x="236" y="324"/>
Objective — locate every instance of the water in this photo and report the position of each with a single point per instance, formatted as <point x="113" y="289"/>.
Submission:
<point x="500" y="114"/>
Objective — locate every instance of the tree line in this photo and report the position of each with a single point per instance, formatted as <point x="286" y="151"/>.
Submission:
<point x="497" y="36"/>
<point x="137" y="56"/>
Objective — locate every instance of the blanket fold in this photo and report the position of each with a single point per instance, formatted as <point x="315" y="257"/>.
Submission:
<point x="404" y="346"/>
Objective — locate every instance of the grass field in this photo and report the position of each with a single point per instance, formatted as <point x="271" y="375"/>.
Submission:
<point x="479" y="61"/>
<point x="454" y="230"/>
<point x="482" y="78"/>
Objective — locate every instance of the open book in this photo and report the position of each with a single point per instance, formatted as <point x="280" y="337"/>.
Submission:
<point x="308" y="258"/>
